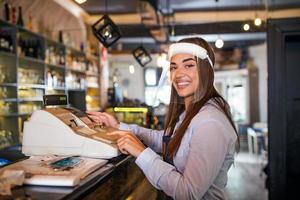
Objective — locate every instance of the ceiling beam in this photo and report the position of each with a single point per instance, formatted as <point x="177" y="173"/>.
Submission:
<point x="183" y="17"/>
<point x="204" y="16"/>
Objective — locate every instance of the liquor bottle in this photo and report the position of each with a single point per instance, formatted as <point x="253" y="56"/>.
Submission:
<point x="29" y="25"/>
<point x="7" y="12"/>
<point x="82" y="47"/>
<point x="20" y="46"/>
<point x="20" y="21"/>
<point x="54" y="79"/>
<point x="49" y="79"/>
<point x="60" y="37"/>
<point x="13" y="15"/>
<point x="2" y="10"/>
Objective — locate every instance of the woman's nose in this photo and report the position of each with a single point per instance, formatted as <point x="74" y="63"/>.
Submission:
<point x="180" y="71"/>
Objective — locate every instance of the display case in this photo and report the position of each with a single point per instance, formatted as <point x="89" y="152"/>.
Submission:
<point x="130" y="115"/>
<point x="8" y="83"/>
<point x="32" y="65"/>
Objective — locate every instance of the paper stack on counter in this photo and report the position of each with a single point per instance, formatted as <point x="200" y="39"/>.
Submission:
<point x="50" y="170"/>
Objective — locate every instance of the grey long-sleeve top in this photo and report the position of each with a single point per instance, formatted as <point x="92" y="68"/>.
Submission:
<point x="200" y="166"/>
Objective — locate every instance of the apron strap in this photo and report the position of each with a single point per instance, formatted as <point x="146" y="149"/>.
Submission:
<point x="169" y="159"/>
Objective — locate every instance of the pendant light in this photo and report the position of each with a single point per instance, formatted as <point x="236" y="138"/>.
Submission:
<point x="246" y="27"/>
<point x="141" y="56"/>
<point x="219" y="43"/>
<point x="105" y="30"/>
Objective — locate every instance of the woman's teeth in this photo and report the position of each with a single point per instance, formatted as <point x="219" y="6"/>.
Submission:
<point x="183" y="83"/>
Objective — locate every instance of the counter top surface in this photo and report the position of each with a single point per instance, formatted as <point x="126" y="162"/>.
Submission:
<point x="86" y="186"/>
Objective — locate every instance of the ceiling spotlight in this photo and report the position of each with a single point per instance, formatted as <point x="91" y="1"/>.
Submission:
<point x="131" y="69"/>
<point x="246" y="27"/>
<point x="219" y="43"/>
<point x="106" y="31"/>
<point x="141" y="56"/>
<point x="80" y="1"/>
<point x="257" y="21"/>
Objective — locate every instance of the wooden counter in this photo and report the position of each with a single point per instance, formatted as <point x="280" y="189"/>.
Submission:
<point x="119" y="179"/>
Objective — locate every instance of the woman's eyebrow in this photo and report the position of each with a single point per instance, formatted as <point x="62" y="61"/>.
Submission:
<point x="188" y="59"/>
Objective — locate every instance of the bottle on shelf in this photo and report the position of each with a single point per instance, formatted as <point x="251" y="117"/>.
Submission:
<point x="62" y="60"/>
<point x="2" y="75"/>
<point x="3" y="92"/>
<point x="49" y="79"/>
<point x="13" y="15"/>
<point x="29" y="24"/>
<point x="6" y="138"/>
<point x="6" y="43"/>
<point x="20" y="46"/>
<point x="60" y="37"/>
<point x="29" y="47"/>
<point x="2" y="10"/>
<point x="54" y="79"/>
<point x="20" y="21"/>
<point x="7" y="12"/>
<point x="82" y="47"/>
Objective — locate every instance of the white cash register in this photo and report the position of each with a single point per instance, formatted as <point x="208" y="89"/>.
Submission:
<point x="66" y="131"/>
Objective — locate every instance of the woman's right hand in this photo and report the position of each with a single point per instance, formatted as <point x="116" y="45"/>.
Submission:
<point x="104" y="119"/>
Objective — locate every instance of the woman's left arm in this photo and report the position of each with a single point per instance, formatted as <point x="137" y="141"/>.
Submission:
<point x="207" y="150"/>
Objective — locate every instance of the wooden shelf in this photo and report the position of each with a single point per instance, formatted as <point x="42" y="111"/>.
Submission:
<point x="30" y="99"/>
<point x="31" y="59"/>
<point x="31" y="85"/>
<point x="76" y="71"/>
<point x="8" y="84"/>
<point x="10" y="115"/>
<point x="55" y="88"/>
<point x="56" y="66"/>
<point x="6" y="53"/>
<point x="9" y="99"/>
<point x="76" y="90"/>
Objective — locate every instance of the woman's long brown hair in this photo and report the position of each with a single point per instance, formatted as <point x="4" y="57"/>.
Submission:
<point x="209" y="93"/>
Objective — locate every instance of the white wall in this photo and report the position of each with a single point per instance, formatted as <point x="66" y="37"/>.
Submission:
<point x="259" y="55"/>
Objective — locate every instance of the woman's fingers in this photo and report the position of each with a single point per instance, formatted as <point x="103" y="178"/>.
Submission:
<point x="129" y="143"/>
<point x="94" y="118"/>
<point x="124" y="147"/>
<point x="119" y="133"/>
<point x="107" y="118"/>
<point x="99" y="119"/>
<point x="93" y="113"/>
<point x="123" y="150"/>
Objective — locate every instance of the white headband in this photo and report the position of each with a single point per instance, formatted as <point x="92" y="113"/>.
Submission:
<point x="189" y="48"/>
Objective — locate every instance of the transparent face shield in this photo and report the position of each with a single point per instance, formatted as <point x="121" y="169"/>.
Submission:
<point x="185" y="74"/>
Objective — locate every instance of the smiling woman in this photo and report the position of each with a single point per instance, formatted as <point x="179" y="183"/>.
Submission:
<point x="199" y="139"/>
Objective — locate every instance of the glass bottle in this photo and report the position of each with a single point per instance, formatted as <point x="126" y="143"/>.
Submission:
<point x="7" y="12"/>
<point x="20" y="21"/>
<point x="60" y="37"/>
<point x="29" y="25"/>
<point x="13" y="15"/>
